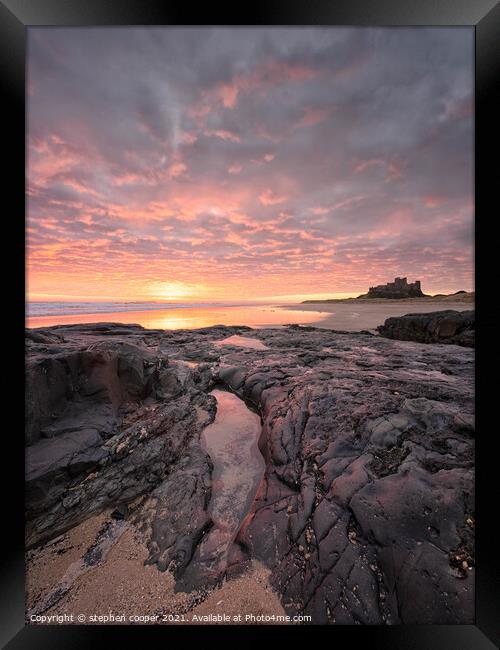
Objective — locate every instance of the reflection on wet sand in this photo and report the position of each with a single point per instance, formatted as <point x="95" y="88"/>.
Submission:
<point x="243" y="342"/>
<point x="339" y="315"/>
<point x="188" y="318"/>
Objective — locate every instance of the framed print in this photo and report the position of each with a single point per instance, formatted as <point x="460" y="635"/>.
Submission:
<point x="254" y="392"/>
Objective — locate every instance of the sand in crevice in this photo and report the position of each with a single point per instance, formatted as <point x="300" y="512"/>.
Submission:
<point x="124" y="586"/>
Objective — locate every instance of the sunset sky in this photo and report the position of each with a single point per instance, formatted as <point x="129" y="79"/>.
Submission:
<point x="221" y="164"/>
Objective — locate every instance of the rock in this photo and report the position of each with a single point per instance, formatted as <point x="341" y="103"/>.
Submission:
<point x="120" y="512"/>
<point x="72" y="451"/>
<point x="449" y="326"/>
<point x="177" y="523"/>
<point x="83" y="385"/>
<point x="364" y="514"/>
<point x="104" y="424"/>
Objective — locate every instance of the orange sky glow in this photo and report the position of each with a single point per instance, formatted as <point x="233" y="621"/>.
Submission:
<point x="253" y="164"/>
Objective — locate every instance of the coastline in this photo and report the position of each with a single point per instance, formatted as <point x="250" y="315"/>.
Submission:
<point x="127" y="472"/>
<point x="194" y="317"/>
<point x="467" y="298"/>
<point x="348" y="314"/>
<point x="366" y="315"/>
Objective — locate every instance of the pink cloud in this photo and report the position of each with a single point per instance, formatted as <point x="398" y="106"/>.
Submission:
<point x="320" y="210"/>
<point x="268" y="74"/>
<point x="228" y="94"/>
<point x="434" y="201"/>
<point x="188" y="137"/>
<point x="264" y="75"/>
<point x="394" y="170"/>
<point x="346" y="203"/>
<point x="176" y="169"/>
<point x="150" y="176"/>
<point x="312" y="116"/>
<point x="267" y="158"/>
<point x="222" y="134"/>
<point x="268" y="197"/>
<point x="365" y="164"/>
<point x="50" y="157"/>
<point x="222" y="180"/>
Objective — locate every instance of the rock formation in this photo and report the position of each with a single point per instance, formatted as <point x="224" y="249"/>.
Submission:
<point x="366" y="510"/>
<point x="449" y="326"/>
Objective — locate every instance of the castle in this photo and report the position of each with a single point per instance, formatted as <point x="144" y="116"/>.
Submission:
<point x="397" y="289"/>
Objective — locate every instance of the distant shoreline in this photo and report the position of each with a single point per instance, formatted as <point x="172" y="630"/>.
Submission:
<point x="345" y="314"/>
<point x="355" y="315"/>
<point x="466" y="297"/>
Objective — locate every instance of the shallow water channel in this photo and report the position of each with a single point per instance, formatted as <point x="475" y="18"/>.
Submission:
<point x="242" y="342"/>
<point x="238" y="468"/>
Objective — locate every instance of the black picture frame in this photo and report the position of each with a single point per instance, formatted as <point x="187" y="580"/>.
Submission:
<point x="16" y="16"/>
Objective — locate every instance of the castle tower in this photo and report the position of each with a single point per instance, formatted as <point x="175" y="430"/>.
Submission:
<point x="400" y="288"/>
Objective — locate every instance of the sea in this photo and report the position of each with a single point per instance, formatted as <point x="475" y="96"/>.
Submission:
<point x="35" y="309"/>
<point x="165" y="315"/>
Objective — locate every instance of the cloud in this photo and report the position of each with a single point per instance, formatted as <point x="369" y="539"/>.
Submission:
<point x="248" y="160"/>
<point x="222" y="134"/>
<point x="263" y="76"/>
<point x="312" y="116"/>
<point x="268" y="197"/>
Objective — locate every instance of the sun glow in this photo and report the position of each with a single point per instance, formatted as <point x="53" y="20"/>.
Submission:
<point x="209" y="181"/>
<point x="174" y="290"/>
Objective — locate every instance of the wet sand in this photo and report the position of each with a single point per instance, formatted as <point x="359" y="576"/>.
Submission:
<point x="187" y="318"/>
<point x="354" y="316"/>
<point x="121" y="589"/>
<point x="349" y="315"/>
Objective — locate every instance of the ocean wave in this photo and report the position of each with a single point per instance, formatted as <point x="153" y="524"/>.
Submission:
<point x="68" y="308"/>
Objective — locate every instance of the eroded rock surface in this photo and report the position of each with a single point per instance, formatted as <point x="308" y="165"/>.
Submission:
<point x="365" y="514"/>
<point x="448" y="326"/>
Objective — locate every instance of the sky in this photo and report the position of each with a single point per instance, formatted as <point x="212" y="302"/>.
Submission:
<point x="247" y="163"/>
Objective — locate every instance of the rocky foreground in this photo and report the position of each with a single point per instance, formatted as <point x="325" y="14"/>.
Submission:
<point x="365" y="513"/>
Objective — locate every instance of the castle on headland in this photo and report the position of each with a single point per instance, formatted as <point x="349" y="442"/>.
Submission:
<point x="397" y="289"/>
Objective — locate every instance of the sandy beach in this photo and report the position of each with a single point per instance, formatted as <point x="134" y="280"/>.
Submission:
<point x="120" y="589"/>
<point x="352" y="315"/>
<point x="348" y="315"/>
